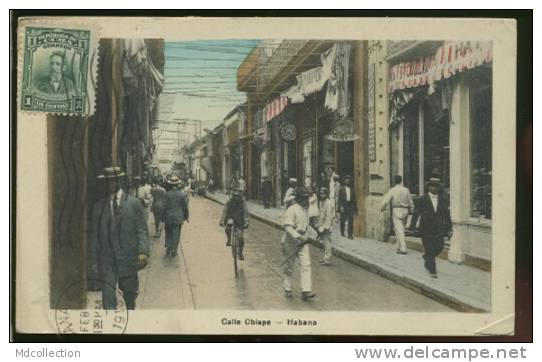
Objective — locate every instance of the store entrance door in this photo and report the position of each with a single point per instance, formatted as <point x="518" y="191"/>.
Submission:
<point x="437" y="145"/>
<point x="345" y="159"/>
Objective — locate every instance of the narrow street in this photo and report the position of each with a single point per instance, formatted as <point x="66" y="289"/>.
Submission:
<point x="202" y="276"/>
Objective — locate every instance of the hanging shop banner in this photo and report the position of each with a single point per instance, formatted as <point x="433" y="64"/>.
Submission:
<point x="337" y="87"/>
<point x="273" y="109"/>
<point x="312" y="80"/>
<point x="294" y="94"/>
<point x="450" y="59"/>
<point x="308" y="82"/>
<point x="288" y="132"/>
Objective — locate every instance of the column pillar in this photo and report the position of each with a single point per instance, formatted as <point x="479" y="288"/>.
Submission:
<point x="459" y="168"/>
<point x="361" y="172"/>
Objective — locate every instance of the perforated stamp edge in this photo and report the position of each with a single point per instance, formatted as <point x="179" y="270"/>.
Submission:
<point x="64" y="23"/>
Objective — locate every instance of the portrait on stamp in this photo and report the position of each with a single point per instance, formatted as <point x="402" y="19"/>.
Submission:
<point x="56" y="81"/>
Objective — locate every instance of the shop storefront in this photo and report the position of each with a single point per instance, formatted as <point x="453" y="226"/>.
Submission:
<point x="440" y="126"/>
<point x="232" y="158"/>
<point x="321" y="96"/>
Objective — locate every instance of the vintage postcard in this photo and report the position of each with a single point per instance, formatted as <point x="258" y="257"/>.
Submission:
<point x="265" y="176"/>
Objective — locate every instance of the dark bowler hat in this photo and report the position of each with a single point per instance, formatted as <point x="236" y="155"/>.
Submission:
<point x="323" y="190"/>
<point x="174" y="180"/>
<point x="433" y="181"/>
<point x="111" y="173"/>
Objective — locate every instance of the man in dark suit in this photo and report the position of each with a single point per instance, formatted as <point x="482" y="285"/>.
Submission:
<point x="347" y="206"/>
<point x="56" y="82"/>
<point x="435" y="223"/>
<point x="158" y="200"/>
<point x="267" y="192"/>
<point x="119" y="241"/>
<point x="175" y="213"/>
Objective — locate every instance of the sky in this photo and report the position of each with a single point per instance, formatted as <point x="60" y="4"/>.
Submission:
<point x="200" y="83"/>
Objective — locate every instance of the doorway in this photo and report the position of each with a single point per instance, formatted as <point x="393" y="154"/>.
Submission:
<point x="436" y="143"/>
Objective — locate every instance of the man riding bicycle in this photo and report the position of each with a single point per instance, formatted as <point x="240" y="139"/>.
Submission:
<point x="235" y="213"/>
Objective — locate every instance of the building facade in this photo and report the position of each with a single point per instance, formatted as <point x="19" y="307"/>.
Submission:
<point x="234" y="145"/>
<point x="297" y="91"/>
<point x="429" y="115"/>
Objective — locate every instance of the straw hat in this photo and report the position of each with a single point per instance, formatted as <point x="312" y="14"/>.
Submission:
<point x="433" y="181"/>
<point x="174" y="180"/>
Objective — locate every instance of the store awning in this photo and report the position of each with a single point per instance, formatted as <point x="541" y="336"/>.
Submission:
<point x="274" y="108"/>
<point x="450" y="59"/>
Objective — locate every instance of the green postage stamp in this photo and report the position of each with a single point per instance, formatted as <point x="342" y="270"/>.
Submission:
<point x="56" y="71"/>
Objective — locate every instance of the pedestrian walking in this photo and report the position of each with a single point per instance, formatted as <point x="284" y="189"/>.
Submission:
<point x="289" y="196"/>
<point x="333" y="191"/>
<point x="211" y="186"/>
<point x="435" y="223"/>
<point x="295" y="246"/>
<point x="283" y="184"/>
<point x="158" y="202"/>
<point x="175" y="214"/>
<point x="401" y="205"/>
<point x="323" y="180"/>
<point x="233" y="182"/>
<point x="242" y="185"/>
<point x="235" y="214"/>
<point x="119" y="241"/>
<point x="347" y="207"/>
<point x="144" y="194"/>
<point x="313" y="210"/>
<point x="186" y="187"/>
<point x="134" y="186"/>
<point x="325" y="224"/>
<point x="267" y="192"/>
<point x="194" y="188"/>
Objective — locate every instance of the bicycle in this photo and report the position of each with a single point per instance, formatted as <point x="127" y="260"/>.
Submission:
<point x="234" y="238"/>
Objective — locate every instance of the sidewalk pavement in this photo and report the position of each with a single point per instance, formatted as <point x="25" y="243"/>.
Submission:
<point x="461" y="287"/>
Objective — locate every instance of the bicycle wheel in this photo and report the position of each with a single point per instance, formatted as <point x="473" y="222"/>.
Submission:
<point x="234" y="248"/>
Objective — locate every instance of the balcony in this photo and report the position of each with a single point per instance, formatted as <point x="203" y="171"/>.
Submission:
<point x="259" y="71"/>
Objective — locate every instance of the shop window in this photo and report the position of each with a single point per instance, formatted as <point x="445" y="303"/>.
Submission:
<point x="411" y="149"/>
<point x="480" y="143"/>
